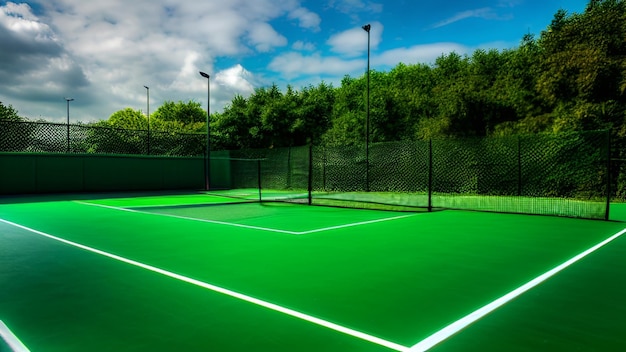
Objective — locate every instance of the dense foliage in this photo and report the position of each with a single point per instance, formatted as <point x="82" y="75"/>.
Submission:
<point x="573" y="77"/>
<point x="8" y="113"/>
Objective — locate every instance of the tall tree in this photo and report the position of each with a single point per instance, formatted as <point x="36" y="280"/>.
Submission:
<point x="129" y="119"/>
<point x="347" y="123"/>
<point x="180" y="116"/>
<point x="584" y="65"/>
<point x="8" y="113"/>
<point x="313" y="113"/>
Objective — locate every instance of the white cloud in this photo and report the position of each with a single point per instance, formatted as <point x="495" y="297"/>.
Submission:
<point x="264" y="37"/>
<point x="486" y="13"/>
<point x="23" y="25"/>
<point x="353" y="42"/>
<point x="299" y="45"/>
<point x="186" y="80"/>
<point x="294" y="64"/>
<point x="236" y="78"/>
<point x="426" y="53"/>
<point x="103" y="52"/>
<point x="21" y="11"/>
<point x="306" y="18"/>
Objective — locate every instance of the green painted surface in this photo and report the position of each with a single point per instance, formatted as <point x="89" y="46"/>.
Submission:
<point x="400" y="280"/>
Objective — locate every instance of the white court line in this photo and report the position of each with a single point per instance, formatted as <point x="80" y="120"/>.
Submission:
<point x="355" y="224"/>
<point x="14" y="343"/>
<point x="190" y="218"/>
<point x="462" y="323"/>
<point x="423" y="345"/>
<point x="268" y="305"/>
<point x="250" y="226"/>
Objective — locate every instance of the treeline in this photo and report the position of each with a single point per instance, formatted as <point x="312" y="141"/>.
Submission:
<point x="571" y="78"/>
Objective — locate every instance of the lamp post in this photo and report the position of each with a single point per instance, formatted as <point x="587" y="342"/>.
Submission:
<point x="148" y="113"/>
<point x="207" y="170"/>
<point x="367" y="28"/>
<point x="68" y="122"/>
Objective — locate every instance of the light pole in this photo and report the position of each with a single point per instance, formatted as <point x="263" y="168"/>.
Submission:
<point x="207" y="170"/>
<point x="367" y="28"/>
<point x="68" y="122"/>
<point x="148" y="113"/>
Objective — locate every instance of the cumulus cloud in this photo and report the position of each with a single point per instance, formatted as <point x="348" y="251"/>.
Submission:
<point x="294" y="64"/>
<point x="306" y="18"/>
<point x="33" y="63"/>
<point x="264" y="38"/>
<point x="300" y="45"/>
<point x="426" y="53"/>
<point x="353" y="42"/>
<point x="102" y="53"/>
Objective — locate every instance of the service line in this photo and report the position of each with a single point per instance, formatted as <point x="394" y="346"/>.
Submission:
<point x="260" y="228"/>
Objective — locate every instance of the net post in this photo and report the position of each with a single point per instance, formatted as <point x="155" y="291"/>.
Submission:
<point x="324" y="168"/>
<point x="258" y="170"/>
<point x="608" y="175"/>
<point x="430" y="175"/>
<point x="310" y="180"/>
<point x="205" y="162"/>
<point x="519" y="165"/>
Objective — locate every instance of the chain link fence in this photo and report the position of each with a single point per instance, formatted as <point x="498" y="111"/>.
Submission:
<point x="40" y="137"/>
<point x="571" y="174"/>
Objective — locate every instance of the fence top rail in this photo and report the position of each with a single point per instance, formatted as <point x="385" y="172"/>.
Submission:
<point x="94" y="125"/>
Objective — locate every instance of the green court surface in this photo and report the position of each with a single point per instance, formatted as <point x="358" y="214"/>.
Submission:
<point x="180" y="273"/>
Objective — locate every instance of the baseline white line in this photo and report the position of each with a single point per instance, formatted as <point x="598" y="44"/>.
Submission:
<point x="462" y="323"/>
<point x="190" y="218"/>
<point x="240" y="296"/>
<point x="14" y="343"/>
<point x="355" y="224"/>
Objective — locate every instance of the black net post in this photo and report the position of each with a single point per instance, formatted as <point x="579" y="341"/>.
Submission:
<point x="258" y="170"/>
<point x="310" y="176"/>
<point x="430" y="175"/>
<point x="519" y="166"/>
<point x="608" y="174"/>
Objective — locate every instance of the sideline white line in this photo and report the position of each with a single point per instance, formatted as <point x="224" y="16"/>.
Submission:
<point x="247" y="226"/>
<point x="462" y="323"/>
<point x="14" y="343"/>
<point x="268" y="305"/>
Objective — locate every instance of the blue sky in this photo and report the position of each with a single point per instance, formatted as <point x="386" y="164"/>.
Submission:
<point x="103" y="53"/>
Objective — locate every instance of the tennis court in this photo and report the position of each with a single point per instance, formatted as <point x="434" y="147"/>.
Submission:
<point x="163" y="272"/>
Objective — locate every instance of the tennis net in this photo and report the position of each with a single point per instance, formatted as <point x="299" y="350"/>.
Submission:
<point x="564" y="174"/>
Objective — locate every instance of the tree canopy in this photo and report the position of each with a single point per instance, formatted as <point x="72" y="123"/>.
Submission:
<point x="571" y="78"/>
<point x="8" y="113"/>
